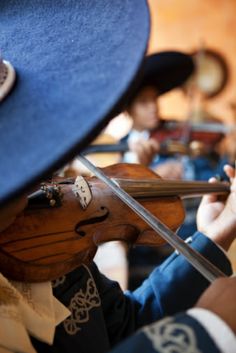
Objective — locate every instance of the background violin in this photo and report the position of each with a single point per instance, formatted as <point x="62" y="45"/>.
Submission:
<point x="193" y="139"/>
<point x="204" y="136"/>
<point x="67" y="219"/>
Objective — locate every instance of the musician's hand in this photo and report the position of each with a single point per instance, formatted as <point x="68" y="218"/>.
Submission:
<point x="9" y="212"/>
<point x="220" y="299"/>
<point x="170" y="170"/>
<point x="216" y="218"/>
<point x="145" y="150"/>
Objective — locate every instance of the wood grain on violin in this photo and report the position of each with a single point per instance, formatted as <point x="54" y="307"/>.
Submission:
<point x="52" y="238"/>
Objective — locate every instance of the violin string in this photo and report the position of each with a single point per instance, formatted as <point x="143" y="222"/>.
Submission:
<point x="205" y="267"/>
<point x="160" y="187"/>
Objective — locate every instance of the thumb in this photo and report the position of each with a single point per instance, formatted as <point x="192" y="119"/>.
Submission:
<point x="229" y="171"/>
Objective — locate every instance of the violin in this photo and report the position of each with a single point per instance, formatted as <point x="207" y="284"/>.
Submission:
<point x="204" y="136"/>
<point x="67" y="219"/>
<point x="195" y="139"/>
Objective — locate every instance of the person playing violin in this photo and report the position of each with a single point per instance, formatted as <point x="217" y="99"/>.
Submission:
<point x="163" y="293"/>
<point x="162" y="72"/>
<point x="83" y="311"/>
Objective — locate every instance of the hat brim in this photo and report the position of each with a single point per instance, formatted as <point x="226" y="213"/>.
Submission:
<point x="75" y="62"/>
<point x="166" y="70"/>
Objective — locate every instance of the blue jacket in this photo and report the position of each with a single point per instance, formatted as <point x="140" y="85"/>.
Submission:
<point x="102" y="315"/>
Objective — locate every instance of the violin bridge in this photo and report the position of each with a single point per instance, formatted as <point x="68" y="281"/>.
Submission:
<point x="82" y="191"/>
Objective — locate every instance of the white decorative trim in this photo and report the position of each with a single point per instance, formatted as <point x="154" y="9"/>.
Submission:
<point x="168" y="336"/>
<point x="80" y="306"/>
<point x="57" y="282"/>
<point x="216" y="328"/>
<point x="7" y="78"/>
<point x="187" y="241"/>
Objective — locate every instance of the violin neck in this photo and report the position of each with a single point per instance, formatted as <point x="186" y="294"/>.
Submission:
<point x="122" y="147"/>
<point x="203" y="127"/>
<point x="165" y="188"/>
<point x="106" y="148"/>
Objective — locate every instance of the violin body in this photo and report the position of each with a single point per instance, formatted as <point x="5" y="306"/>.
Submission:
<point x="47" y="242"/>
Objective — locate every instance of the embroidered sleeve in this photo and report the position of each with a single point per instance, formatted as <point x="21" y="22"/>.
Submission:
<point x="178" y="334"/>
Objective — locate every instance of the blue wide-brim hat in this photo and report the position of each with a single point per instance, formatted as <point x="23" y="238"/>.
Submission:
<point x="75" y="62"/>
<point x="165" y="71"/>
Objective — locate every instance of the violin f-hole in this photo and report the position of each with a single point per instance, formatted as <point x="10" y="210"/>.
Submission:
<point x="97" y="217"/>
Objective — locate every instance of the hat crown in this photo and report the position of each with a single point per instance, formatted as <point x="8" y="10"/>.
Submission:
<point x="75" y="61"/>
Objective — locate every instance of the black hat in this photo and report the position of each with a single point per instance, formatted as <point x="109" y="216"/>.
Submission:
<point x="75" y="61"/>
<point x="166" y="71"/>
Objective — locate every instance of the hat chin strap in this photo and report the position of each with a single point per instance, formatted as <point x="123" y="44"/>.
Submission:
<point x="7" y="78"/>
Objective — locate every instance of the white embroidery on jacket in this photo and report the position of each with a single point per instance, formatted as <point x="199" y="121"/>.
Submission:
<point x="57" y="282"/>
<point x="168" y="336"/>
<point x="80" y="306"/>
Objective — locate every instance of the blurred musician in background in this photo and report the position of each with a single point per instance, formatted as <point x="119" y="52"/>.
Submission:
<point x="162" y="72"/>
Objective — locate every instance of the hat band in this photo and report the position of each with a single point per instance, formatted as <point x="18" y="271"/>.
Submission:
<point x="7" y="78"/>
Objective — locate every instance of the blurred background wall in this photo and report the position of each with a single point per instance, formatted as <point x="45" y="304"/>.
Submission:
<point x="185" y="25"/>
